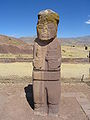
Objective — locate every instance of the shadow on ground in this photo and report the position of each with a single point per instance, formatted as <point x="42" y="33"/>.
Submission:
<point x="88" y="83"/>
<point x="29" y="95"/>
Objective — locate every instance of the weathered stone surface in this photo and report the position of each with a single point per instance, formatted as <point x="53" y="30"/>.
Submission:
<point x="46" y="64"/>
<point x="47" y="55"/>
<point x="47" y="24"/>
<point x="46" y="75"/>
<point x="47" y="92"/>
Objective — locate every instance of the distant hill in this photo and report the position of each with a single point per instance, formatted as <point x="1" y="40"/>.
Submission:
<point x="76" y="41"/>
<point x="64" y="41"/>
<point x="23" y="45"/>
<point x="28" y="40"/>
<point x="13" y="45"/>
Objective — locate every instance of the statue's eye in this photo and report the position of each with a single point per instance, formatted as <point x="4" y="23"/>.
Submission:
<point x="57" y="22"/>
<point x="51" y="25"/>
<point x="40" y="26"/>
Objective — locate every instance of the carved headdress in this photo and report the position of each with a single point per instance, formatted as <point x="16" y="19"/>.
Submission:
<point x="47" y="24"/>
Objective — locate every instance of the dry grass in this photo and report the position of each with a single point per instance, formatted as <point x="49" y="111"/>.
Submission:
<point x="68" y="71"/>
<point x="16" y="55"/>
<point x="8" y="70"/>
<point x="75" y="71"/>
<point x="24" y="70"/>
<point x="74" y="52"/>
<point x="67" y="52"/>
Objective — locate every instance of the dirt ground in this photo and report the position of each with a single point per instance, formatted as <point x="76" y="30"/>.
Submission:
<point x="16" y="97"/>
<point x="16" y="102"/>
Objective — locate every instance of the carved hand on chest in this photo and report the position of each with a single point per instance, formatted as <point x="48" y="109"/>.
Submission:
<point x="47" y="57"/>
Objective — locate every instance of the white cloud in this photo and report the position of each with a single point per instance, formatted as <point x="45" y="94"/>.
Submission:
<point x="88" y="22"/>
<point x="14" y="35"/>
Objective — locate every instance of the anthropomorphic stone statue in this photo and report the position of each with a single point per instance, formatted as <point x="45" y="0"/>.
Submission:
<point x="46" y="65"/>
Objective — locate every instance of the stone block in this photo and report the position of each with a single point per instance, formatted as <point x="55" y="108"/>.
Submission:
<point x="46" y="75"/>
<point x="46" y="63"/>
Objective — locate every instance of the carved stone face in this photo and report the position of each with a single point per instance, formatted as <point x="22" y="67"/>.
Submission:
<point x="46" y="31"/>
<point x="47" y="25"/>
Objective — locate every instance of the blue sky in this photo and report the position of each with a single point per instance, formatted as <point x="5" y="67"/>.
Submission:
<point x="19" y="17"/>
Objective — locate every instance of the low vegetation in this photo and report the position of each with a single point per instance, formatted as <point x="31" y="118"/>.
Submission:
<point x="75" y="52"/>
<point x="22" y="72"/>
<point x="16" y="55"/>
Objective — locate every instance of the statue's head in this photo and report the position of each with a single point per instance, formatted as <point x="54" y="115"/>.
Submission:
<point x="47" y="24"/>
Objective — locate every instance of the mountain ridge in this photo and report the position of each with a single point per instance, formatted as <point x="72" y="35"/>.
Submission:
<point x="75" y="40"/>
<point x="23" y="45"/>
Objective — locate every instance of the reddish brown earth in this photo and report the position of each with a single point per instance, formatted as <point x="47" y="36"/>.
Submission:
<point x="14" y="46"/>
<point x="15" y="101"/>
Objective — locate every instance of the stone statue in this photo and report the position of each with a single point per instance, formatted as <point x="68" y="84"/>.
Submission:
<point x="46" y="65"/>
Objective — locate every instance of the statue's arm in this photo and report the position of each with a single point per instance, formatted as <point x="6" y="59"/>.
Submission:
<point x="33" y="53"/>
<point x="59" y="53"/>
<point x="53" y="57"/>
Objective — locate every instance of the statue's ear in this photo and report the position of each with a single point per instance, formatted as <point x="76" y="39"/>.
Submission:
<point x="39" y="16"/>
<point x="57" y="22"/>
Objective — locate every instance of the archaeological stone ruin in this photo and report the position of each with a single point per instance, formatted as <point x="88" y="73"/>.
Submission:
<point x="46" y="65"/>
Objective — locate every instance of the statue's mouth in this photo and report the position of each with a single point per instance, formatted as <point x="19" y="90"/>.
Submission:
<point x="45" y="35"/>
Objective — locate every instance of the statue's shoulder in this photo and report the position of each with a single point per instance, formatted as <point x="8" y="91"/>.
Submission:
<point x="55" y="42"/>
<point x="58" y="42"/>
<point x="36" y="41"/>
